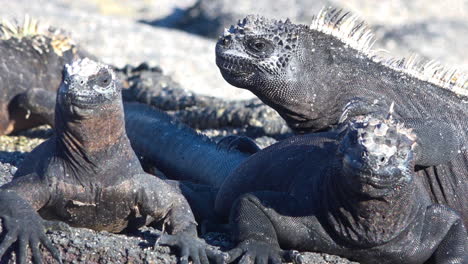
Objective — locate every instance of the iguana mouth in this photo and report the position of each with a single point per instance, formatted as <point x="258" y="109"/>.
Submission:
<point x="367" y="174"/>
<point x="380" y="183"/>
<point x="235" y="66"/>
<point x="86" y="101"/>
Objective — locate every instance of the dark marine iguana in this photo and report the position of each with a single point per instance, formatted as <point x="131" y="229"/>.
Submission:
<point x="87" y="175"/>
<point x="352" y="194"/>
<point x="316" y="76"/>
<point x="32" y="58"/>
<point x="303" y="191"/>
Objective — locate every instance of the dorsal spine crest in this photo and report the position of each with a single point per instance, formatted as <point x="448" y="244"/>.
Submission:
<point x="31" y="28"/>
<point x="355" y="33"/>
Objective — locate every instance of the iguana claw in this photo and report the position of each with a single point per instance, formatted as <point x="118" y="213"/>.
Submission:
<point x="23" y="225"/>
<point x="257" y="252"/>
<point x="191" y="247"/>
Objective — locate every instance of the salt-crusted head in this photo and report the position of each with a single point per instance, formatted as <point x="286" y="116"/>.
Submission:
<point x="88" y="85"/>
<point x="256" y="46"/>
<point x="89" y="111"/>
<point x="377" y="155"/>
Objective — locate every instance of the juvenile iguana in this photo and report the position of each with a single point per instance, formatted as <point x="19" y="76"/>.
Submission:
<point x="316" y="76"/>
<point x="352" y="194"/>
<point x="87" y="175"/>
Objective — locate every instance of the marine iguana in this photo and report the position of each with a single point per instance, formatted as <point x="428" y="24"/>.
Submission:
<point x="87" y="175"/>
<point x="352" y="194"/>
<point x="25" y="50"/>
<point x="316" y="76"/>
<point x="388" y="150"/>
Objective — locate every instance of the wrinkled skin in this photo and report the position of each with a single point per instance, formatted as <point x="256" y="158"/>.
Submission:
<point x="352" y="194"/>
<point x="316" y="80"/>
<point x="87" y="175"/>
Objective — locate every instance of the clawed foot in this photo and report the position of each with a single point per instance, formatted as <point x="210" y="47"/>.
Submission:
<point x="23" y="225"/>
<point x="192" y="248"/>
<point x="258" y="253"/>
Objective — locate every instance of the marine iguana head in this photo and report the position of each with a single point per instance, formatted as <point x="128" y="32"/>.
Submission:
<point x="257" y="51"/>
<point x="86" y="87"/>
<point x="272" y="59"/>
<point x="89" y="104"/>
<point x="377" y="155"/>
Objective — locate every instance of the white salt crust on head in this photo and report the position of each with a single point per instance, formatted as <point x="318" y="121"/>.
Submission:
<point x="83" y="67"/>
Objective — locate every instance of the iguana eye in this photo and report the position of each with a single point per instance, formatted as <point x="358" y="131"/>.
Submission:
<point x="104" y="79"/>
<point x="260" y="47"/>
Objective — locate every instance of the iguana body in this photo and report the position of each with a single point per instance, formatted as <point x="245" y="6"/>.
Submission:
<point x="352" y="194"/>
<point x="87" y="174"/>
<point x="317" y="76"/>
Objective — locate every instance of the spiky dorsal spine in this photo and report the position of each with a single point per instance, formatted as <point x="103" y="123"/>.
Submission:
<point x="355" y="33"/>
<point x="31" y="28"/>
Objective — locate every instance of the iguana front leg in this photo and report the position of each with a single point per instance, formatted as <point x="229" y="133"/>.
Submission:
<point x="20" y="201"/>
<point x="258" y="231"/>
<point x="162" y="202"/>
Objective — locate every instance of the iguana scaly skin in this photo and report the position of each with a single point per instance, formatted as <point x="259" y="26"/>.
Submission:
<point x="352" y="194"/>
<point x="320" y="75"/>
<point x="87" y="175"/>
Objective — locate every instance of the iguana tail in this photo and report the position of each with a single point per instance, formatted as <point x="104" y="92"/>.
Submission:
<point x="176" y="149"/>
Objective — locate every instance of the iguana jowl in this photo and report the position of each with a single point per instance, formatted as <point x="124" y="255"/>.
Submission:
<point x="87" y="174"/>
<point x="320" y="75"/>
